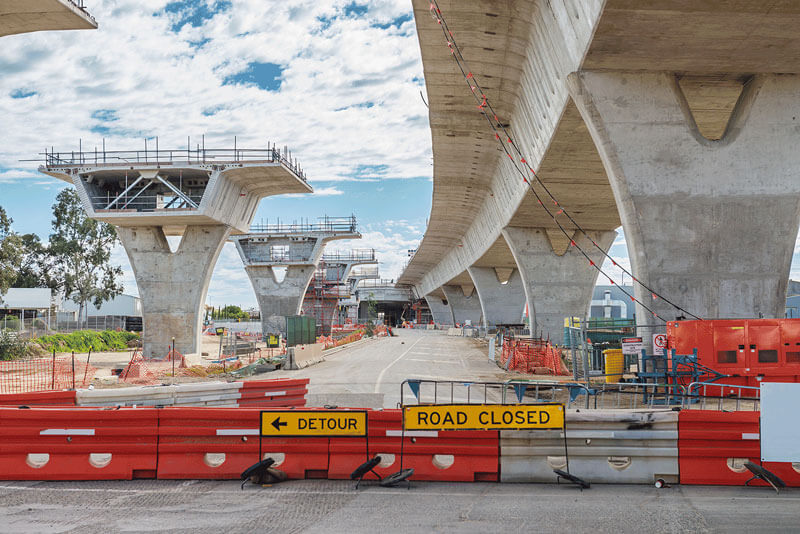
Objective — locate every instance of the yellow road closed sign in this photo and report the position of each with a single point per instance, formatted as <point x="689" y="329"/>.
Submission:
<point x="484" y="417"/>
<point x="295" y="423"/>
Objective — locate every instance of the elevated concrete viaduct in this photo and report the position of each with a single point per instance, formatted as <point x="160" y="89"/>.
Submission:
<point x="23" y="16"/>
<point x="154" y="195"/>
<point x="298" y="248"/>
<point x="692" y="152"/>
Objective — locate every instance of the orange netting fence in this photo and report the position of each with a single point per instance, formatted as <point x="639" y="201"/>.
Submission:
<point x="43" y="374"/>
<point x="534" y="356"/>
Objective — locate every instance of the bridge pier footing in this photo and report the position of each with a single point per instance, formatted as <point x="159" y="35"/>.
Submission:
<point x="710" y="223"/>
<point x="172" y="285"/>
<point x="465" y="308"/>
<point x="558" y="280"/>
<point x="500" y="303"/>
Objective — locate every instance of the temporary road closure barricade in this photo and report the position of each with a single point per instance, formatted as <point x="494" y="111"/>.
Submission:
<point x="273" y="393"/>
<point x="220" y="443"/>
<point x="713" y="447"/>
<point x="78" y="444"/>
<point x="605" y="446"/>
<point x="456" y="456"/>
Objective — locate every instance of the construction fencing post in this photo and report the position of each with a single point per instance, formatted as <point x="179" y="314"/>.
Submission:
<point x="53" y="384"/>
<point x="73" y="369"/>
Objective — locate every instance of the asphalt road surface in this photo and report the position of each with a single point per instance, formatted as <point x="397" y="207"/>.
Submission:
<point x="317" y="506"/>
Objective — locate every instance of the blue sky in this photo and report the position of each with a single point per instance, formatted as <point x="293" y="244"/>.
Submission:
<point x="336" y="81"/>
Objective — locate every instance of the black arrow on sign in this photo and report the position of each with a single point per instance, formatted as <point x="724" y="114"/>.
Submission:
<point x="277" y="424"/>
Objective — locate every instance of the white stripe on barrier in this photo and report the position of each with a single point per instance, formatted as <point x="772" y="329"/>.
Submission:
<point x="237" y="431"/>
<point x="67" y="432"/>
<point x="746" y="435"/>
<point x="274" y="393"/>
<point x="413" y="433"/>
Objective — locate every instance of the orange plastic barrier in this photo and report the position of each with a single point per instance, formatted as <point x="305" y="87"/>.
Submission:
<point x="39" y="398"/>
<point x="455" y="456"/>
<point x="220" y="443"/>
<point x="85" y="444"/>
<point x="273" y="393"/>
<point x="712" y="447"/>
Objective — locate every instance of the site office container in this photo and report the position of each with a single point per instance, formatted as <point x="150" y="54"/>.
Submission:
<point x="748" y="350"/>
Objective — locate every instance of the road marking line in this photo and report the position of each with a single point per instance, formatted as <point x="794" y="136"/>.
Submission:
<point x="380" y="376"/>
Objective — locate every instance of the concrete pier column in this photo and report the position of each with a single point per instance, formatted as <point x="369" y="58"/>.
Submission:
<point x="557" y="279"/>
<point x="172" y="285"/>
<point x="277" y="299"/>
<point x="710" y="220"/>
<point x="441" y="312"/>
<point x="464" y="307"/>
<point x="500" y="303"/>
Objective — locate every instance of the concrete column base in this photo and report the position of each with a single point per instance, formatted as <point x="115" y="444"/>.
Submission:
<point x="710" y="224"/>
<point x="276" y="299"/>
<point x="500" y="303"/>
<point x="172" y="285"/>
<point x="465" y="308"/>
<point x="441" y="312"/>
<point x="556" y="285"/>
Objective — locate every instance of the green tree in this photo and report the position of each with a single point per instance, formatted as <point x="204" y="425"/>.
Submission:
<point x="234" y="312"/>
<point x="80" y="249"/>
<point x="11" y="253"/>
<point x="36" y="268"/>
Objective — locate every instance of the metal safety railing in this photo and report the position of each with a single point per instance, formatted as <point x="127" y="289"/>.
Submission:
<point x="324" y="224"/>
<point x="360" y="254"/>
<point x="55" y="160"/>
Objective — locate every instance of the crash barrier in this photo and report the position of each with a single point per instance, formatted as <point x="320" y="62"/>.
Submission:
<point x="41" y="374"/>
<point x="281" y="392"/>
<point x="600" y="447"/>
<point x="301" y="356"/>
<point x="70" y="444"/>
<point x="533" y="356"/>
<point x="220" y="443"/>
<point x="713" y="447"/>
<point x="454" y="456"/>
<point x="39" y="398"/>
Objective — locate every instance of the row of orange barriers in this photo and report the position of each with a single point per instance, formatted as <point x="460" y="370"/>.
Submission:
<point x="533" y="356"/>
<point x="219" y="443"/>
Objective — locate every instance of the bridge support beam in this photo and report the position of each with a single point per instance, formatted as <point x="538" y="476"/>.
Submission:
<point x="172" y="285"/>
<point x="710" y="224"/>
<point x="557" y="278"/>
<point x="441" y="312"/>
<point x="500" y="303"/>
<point x="465" y="308"/>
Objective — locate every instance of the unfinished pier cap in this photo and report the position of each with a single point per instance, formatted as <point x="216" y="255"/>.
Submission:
<point x="202" y="195"/>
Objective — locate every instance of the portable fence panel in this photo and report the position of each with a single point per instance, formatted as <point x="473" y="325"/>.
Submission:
<point x="42" y="374"/>
<point x="70" y="444"/>
<point x="603" y="446"/>
<point x="456" y="456"/>
<point x="220" y="443"/>
<point x="713" y="447"/>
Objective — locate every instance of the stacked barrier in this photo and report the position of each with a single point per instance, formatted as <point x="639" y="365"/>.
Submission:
<point x="455" y="456"/>
<point x="273" y="393"/>
<point x="533" y="356"/>
<point x="39" y="398"/>
<point x="69" y="444"/>
<point x="713" y="447"/>
<point x="605" y="446"/>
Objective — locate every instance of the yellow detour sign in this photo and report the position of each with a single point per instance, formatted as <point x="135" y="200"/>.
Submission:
<point x="484" y="417"/>
<point x="294" y="423"/>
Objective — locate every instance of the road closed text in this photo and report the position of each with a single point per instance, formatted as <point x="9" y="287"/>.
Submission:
<point x="484" y="417"/>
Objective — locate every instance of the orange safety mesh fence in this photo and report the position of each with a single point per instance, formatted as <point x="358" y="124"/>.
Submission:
<point x="148" y="371"/>
<point x="534" y="356"/>
<point x="43" y="374"/>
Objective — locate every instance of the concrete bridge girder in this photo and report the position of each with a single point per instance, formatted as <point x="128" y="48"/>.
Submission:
<point x="710" y="224"/>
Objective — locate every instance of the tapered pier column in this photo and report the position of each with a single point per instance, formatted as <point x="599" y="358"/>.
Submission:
<point x="710" y="203"/>
<point x="465" y="307"/>
<point x="557" y="279"/>
<point x="172" y="285"/>
<point x="440" y="310"/>
<point x="501" y="303"/>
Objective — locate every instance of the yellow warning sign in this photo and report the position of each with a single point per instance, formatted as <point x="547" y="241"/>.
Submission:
<point x="292" y="423"/>
<point x="484" y="417"/>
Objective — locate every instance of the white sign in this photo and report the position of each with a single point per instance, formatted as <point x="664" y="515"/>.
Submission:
<point x="632" y="345"/>
<point x="659" y="344"/>
<point x="780" y="427"/>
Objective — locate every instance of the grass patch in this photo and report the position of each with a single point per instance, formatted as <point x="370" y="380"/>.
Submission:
<point x="84" y="340"/>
